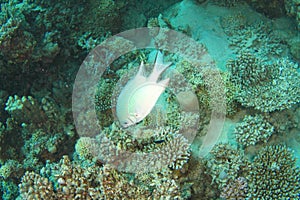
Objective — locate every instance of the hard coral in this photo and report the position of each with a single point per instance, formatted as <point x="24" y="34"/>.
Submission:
<point x="67" y="181"/>
<point x="265" y="86"/>
<point x="72" y="180"/>
<point x="253" y="129"/>
<point x="258" y="39"/>
<point x="226" y="165"/>
<point x="274" y="174"/>
<point x="33" y="186"/>
<point x="236" y="189"/>
<point x="164" y="148"/>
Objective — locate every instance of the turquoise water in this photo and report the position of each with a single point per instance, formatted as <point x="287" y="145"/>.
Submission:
<point x="149" y="99"/>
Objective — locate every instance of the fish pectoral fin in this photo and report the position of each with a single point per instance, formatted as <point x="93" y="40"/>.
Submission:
<point x="164" y="82"/>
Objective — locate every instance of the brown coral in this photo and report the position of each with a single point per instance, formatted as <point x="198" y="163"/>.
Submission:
<point x="274" y="175"/>
<point x="33" y="186"/>
<point x="236" y="189"/>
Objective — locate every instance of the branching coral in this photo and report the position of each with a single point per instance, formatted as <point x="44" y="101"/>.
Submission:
<point x="226" y="165"/>
<point x="257" y="39"/>
<point x="166" y="189"/>
<point x="274" y="174"/>
<point x="41" y="129"/>
<point x="236" y="189"/>
<point x="86" y="180"/>
<point x="253" y="129"/>
<point x="85" y="148"/>
<point x="34" y="186"/>
<point x="265" y="86"/>
<point x="11" y="168"/>
<point x="25" y="109"/>
<point x="162" y="149"/>
<point x="67" y="180"/>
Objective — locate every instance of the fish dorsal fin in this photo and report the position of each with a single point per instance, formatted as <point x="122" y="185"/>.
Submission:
<point x="141" y="71"/>
<point x="159" y="67"/>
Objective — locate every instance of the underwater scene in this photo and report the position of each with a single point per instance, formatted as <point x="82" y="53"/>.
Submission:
<point x="149" y="100"/>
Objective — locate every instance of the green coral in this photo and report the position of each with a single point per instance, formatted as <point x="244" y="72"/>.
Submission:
<point x="226" y="165"/>
<point x="24" y="109"/>
<point x="9" y="169"/>
<point x="265" y="86"/>
<point x="292" y="8"/>
<point x="258" y="39"/>
<point x="253" y="129"/>
<point x="85" y="148"/>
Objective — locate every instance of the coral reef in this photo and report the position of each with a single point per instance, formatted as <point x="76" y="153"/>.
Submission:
<point x="67" y="181"/>
<point x="273" y="8"/>
<point x="253" y="129"/>
<point x="236" y="189"/>
<point x="164" y="147"/>
<point x="34" y="186"/>
<point x="42" y="46"/>
<point x="32" y="122"/>
<point x="88" y="180"/>
<point x="274" y="175"/>
<point x="166" y="189"/>
<point x="258" y="39"/>
<point x="227" y="165"/>
<point x="265" y="86"/>
<point x="292" y="8"/>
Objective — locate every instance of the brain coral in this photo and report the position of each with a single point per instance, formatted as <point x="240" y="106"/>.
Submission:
<point x="274" y="174"/>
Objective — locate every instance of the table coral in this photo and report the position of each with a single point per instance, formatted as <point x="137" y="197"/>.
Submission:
<point x="253" y="129"/>
<point x="274" y="174"/>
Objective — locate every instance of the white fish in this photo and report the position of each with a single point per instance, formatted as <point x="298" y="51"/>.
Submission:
<point x="140" y="94"/>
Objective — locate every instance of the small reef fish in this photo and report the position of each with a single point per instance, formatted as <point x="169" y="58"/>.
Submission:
<point x="141" y="93"/>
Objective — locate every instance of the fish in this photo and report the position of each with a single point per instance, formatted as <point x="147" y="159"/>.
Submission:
<point x="140" y="94"/>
